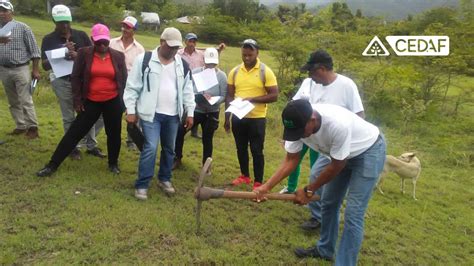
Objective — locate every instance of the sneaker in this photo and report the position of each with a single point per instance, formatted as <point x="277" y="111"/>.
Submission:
<point x="131" y="146"/>
<point x="309" y="253"/>
<point x="284" y="191"/>
<point x="241" y="180"/>
<point x="141" y="193"/>
<point x="167" y="187"/>
<point x="32" y="133"/>
<point x="256" y="185"/>
<point x="75" y="154"/>
<point x="310" y="225"/>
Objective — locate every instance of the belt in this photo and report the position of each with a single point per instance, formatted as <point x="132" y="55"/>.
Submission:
<point x="15" y="66"/>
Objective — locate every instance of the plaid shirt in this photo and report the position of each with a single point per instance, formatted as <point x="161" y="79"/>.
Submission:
<point x="22" y="47"/>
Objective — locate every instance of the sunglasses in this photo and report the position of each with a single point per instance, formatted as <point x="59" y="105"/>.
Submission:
<point x="102" y="43"/>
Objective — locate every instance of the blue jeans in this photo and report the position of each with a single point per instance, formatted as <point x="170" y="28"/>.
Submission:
<point x="357" y="179"/>
<point x="164" y="128"/>
<point x="318" y="167"/>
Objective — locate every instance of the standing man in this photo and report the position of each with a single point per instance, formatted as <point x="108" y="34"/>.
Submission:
<point x="157" y="96"/>
<point x="323" y="86"/>
<point x="255" y="82"/>
<point x="64" y="36"/>
<point x="130" y="48"/>
<point x="17" y="48"/>
<point x="357" y="152"/>
<point x="195" y="59"/>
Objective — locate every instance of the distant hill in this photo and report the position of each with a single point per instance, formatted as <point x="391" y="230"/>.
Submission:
<point x="390" y="9"/>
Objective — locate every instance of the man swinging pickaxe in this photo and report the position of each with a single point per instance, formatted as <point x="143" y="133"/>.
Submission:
<point x="205" y="193"/>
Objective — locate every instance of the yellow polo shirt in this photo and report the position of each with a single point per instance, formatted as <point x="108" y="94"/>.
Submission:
<point x="249" y="84"/>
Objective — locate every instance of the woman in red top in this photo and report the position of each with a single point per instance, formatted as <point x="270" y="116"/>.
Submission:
<point x="98" y="79"/>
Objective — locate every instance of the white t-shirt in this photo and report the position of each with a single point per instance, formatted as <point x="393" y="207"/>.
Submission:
<point x="342" y="134"/>
<point x="167" y="103"/>
<point x="342" y="92"/>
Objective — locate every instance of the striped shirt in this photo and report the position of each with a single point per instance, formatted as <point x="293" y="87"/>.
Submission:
<point x="22" y="47"/>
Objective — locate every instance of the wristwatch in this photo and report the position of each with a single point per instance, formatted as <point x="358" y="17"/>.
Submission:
<point x="309" y="193"/>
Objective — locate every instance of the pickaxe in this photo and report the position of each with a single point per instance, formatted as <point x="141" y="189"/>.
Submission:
<point x="202" y="193"/>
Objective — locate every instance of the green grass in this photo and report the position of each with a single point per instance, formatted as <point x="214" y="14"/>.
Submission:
<point x="45" y="220"/>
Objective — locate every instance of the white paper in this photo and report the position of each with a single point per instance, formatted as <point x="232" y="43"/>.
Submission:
<point x="61" y="67"/>
<point x="205" y="80"/>
<point x="58" y="53"/>
<point x="6" y="30"/>
<point x="213" y="100"/>
<point x="240" y="108"/>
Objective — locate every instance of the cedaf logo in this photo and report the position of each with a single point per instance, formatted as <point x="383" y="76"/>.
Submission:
<point x="409" y="46"/>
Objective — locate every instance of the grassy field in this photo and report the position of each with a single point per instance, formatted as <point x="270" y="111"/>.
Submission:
<point x="85" y="215"/>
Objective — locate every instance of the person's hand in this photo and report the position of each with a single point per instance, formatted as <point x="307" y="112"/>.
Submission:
<point x="35" y="74"/>
<point x="131" y="119"/>
<point x="207" y="96"/>
<point x="221" y="47"/>
<point x="261" y="192"/>
<point x="5" y="39"/>
<point x="70" y="46"/>
<point x="189" y="123"/>
<point x="227" y="125"/>
<point x="248" y="99"/>
<point x="300" y="197"/>
<point x="71" y="55"/>
<point x="79" y="107"/>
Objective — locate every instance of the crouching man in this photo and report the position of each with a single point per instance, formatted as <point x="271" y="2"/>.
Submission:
<point x="357" y="152"/>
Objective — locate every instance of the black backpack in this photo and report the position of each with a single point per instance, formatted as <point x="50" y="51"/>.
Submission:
<point x="146" y="61"/>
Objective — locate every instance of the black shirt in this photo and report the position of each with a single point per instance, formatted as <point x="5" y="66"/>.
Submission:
<point x="54" y="41"/>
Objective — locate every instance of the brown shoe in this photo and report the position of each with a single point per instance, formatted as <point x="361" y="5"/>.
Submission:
<point x="176" y="164"/>
<point x="17" y="131"/>
<point x="32" y="133"/>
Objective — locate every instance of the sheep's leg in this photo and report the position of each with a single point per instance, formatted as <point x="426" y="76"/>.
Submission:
<point x="403" y="186"/>
<point x="414" y="189"/>
<point x="379" y="184"/>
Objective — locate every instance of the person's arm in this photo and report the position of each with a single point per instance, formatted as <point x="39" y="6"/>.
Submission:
<point x="35" y="72"/>
<point x="77" y="76"/>
<point x="188" y="100"/>
<point x="133" y="88"/>
<point x="229" y="98"/>
<point x="44" y="59"/>
<point x="34" y="51"/>
<point x="270" y="97"/>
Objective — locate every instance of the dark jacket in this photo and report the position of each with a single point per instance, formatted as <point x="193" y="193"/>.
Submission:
<point x="81" y="73"/>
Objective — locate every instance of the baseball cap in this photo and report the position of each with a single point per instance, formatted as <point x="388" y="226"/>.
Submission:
<point x="131" y="22"/>
<point x="317" y="58"/>
<point x="6" y="4"/>
<point x="250" y="43"/>
<point x="61" y="13"/>
<point x="100" y="32"/>
<point x="211" y="56"/>
<point x="172" y="36"/>
<point x="295" y="116"/>
<point x="191" y="36"/>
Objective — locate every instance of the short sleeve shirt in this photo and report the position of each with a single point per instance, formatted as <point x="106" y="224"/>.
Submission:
<point x="249" y="83"/>
<point x="342" y="135"/>
<point x="195" y="60"/>
<point x="54" y="41"/>
<point x="131" y="52"/>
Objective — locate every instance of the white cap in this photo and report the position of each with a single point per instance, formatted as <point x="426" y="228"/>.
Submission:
<point x="172" y="36"/>
<point x="61" y="13"/>
<point x="6" y="4"/>
<point x="130" y="21"/>
<point x="211" y="56"/>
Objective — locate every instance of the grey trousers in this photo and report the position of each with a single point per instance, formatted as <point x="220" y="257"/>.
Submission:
<point x="63" y="90"/>
<point x="16" y="82"/>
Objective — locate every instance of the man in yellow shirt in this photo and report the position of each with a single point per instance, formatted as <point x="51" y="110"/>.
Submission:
<point x="253" y="81"/>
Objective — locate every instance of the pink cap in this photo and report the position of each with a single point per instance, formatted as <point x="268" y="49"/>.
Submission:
<point x="100" y="32"/>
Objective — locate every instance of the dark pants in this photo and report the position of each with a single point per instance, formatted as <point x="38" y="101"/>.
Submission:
<point x="209" y="123"/>
<point x="111" y="111"/>
<point x="251" y="130"/>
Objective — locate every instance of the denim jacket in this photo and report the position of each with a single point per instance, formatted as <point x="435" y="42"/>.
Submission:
<point x="139" y="100"/>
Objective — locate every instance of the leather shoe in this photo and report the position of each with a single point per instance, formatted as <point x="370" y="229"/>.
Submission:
<point x="176" y="164"/>
<point x="75" y="154"/>
<point x="17" y="131"/>
<point x="96" y="152"/>
<point x="310" y="253"/>
<point x="46" y="171"/>
<point x="310" y="225"/>
<point x="114" y="169"/>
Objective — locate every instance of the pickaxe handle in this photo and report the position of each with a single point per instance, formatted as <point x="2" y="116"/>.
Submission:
<point x="206" y="193"/>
